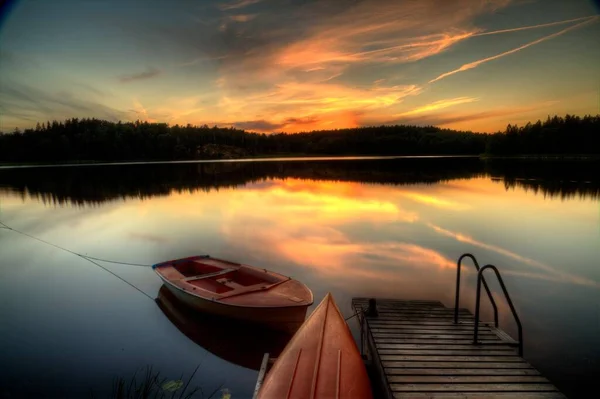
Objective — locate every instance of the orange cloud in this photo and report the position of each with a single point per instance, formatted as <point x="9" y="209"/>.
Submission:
<point x="318" y="51"/>
<point x="238" y="4"/>
<point x="242" y="17"/>
<point x="465" y="121"/>
<point x="441" y="104"/>
<point x="296" y="106"/>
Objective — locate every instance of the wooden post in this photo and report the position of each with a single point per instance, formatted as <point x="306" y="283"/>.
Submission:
<point x="261" y="375"/>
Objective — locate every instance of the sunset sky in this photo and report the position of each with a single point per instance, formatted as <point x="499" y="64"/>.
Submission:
<point x="285" y="65"/>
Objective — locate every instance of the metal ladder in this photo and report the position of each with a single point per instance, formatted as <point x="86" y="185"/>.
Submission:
<point x="480" y="280"/>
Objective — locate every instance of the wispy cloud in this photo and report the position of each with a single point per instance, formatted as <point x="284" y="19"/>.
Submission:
<point x="398" y="32"/>
<point x="147" y="74"/>
<point x="24" y="102"/>
<point x="454" y="118"/>
<point x="261" y="125"/>
<point x="437" y="105"/>
<point x="242" y="17"/>
<point x="522" y="28"/>
<point x="300" y="107"/>
<point x="475" y="64"/>
<point x="238" y="4"/>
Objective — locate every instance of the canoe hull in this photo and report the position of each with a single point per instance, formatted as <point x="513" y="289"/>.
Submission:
<point x="286" y="319"/>
<point x="321" y="361"/>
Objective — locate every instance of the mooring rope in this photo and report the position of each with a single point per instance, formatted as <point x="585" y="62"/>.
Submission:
<point x="90" y="259"/>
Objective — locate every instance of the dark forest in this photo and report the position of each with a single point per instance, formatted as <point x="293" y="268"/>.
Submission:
<point x="88" y="140"/>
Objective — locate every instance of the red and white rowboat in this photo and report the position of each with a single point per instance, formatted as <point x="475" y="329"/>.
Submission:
<point x="238" y="291"/>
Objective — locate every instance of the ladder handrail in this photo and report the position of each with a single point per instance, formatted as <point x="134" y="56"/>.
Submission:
<point x="510" y="304"/>
<point x="487" y="289"/>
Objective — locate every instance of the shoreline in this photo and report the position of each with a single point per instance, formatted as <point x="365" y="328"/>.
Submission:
<point x="283" y="158"/>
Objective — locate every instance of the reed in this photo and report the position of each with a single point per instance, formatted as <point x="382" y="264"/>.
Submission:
<point x="148" y="384"/>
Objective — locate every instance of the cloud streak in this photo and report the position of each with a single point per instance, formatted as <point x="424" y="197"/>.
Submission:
<point x="437" y="105"/>
<point x="24" y="102"/>
<point x="238" y="4"/>
<point x="147" y="74"/>
<point x="294" y="66"/>
<point x="566" y="21"/>
<point x="475" y="64"/>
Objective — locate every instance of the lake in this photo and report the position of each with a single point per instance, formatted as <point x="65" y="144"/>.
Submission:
<point x="353" y="227"/>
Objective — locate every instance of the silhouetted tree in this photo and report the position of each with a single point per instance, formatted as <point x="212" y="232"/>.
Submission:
<point x="99" y="140"/>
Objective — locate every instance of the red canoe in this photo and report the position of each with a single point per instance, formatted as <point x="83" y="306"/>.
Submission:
<point x="321" y="361"/>
<point x="238" y="291"/>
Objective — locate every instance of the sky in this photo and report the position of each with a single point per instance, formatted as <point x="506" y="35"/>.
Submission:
<point x="299" y="65"/>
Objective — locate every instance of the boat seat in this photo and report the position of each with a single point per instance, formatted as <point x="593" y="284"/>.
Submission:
<point x="229" y="283"/>
<point x="207" y="275"/>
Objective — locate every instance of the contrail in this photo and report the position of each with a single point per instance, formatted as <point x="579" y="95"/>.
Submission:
<point x="590" y="17"/>
<point x="475" y="64"/>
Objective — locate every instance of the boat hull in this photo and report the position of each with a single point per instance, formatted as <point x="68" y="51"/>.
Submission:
<point x="321" y="361"/>
<point x="286" y="319"/>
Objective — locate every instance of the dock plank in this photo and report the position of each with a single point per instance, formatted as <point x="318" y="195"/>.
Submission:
<point x="464" y="358"/>
<point x="420" y="353"/>
<point x="429" y="341"/>
<point x="461" y="365"/>
<point x="438" y="336"/>
<point x="472" y="387"/>
<point x="485" y="379"/>
<point x="458" y="371"/>
<point x="450" y="352"/>
<point x="479" y="395"/>
<point x="430" y="330"/>
<point x="422" y="322"/>
<point x="443" y="347"/>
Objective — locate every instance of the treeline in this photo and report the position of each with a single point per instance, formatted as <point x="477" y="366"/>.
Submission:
<point x="569" y="135"/>
<point x="92" y="185"/>
<point x="99" y="140"/>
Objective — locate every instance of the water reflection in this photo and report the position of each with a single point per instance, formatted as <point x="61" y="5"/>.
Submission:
<point x="88" y="185"/>
<point x="236" y="342"/>
<point x="388" y="228"/>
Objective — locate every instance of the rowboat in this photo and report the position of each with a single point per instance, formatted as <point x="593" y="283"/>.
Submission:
<point x="235" y="341"/>
<point x="237" y="291"/>
<point x="321" y="361"/>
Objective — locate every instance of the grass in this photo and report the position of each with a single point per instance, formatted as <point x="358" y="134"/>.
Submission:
<point x="150" y="385"/>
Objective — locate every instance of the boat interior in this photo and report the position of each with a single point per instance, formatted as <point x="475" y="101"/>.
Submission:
<point x="224" y="278"/>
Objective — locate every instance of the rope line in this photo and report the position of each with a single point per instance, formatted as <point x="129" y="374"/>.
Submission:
<point x="116" y="262"/>
<point x="90" y="259"/>
<point x="116" y="275"/>
<point x="354" y="315"/>
<point x="4" y="226"/>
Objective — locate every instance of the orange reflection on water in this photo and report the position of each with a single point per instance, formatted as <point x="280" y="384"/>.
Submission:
<point x="296" y="201"/>
<point x="438" y="202"/>
<point x="319" y="227"/>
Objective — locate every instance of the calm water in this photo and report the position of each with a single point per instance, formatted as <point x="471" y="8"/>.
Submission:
<point x="388" y="228"/>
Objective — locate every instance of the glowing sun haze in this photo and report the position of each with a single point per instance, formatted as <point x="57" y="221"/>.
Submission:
<point x="285" y="65"/>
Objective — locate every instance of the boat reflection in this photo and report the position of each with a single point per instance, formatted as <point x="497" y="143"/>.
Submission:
<point x="237" y="342"/>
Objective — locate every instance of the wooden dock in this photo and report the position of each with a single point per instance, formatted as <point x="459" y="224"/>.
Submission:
<point x="417" y="351"/>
